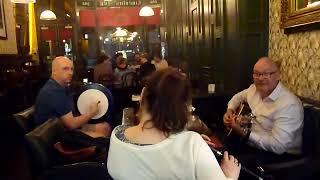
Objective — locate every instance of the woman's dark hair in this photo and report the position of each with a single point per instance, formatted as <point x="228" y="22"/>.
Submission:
<point x="102" y="58"/>
<point x="167" y="94"/>
<point x="117" y="55"/>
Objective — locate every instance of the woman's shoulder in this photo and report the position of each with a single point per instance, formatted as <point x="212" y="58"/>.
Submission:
<point x="188" y="136"/>
<point x="120" y="128"/>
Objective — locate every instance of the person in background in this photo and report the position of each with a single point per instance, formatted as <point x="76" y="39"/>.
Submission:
<point x="159" y="63"/>
<point x="114" y="60"/>
<point x="136" y="61"/>
<point x="103" y="72"/>
<point x="159" y="147"/>
<point x="146" y="68"/>
<point x="183" y="67"/>
<point x="121" y="69"/>
<point x="55" y="100"/>
<point x="276" y="132"/>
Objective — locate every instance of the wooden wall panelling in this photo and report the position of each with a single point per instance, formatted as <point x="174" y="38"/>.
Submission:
<point x="194" y="20"/>
<point x="189" y="37"/>
<point x="232" y="46"/>
<point x="254" y="36"/>
<point x="217" y="9"/>
<point x="206" y="33"/>
<point x="221" y="33"/>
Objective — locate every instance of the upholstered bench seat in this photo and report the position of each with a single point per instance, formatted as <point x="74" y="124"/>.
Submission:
<point x="308" y="166"/>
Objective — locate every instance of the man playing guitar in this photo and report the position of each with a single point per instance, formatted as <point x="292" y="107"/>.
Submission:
<point x="276" y="132"/>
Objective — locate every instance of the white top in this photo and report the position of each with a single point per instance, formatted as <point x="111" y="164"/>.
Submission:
<point x="163" y="64"/>
<point x="184" y="156"/>
<point x="279" y="122"/>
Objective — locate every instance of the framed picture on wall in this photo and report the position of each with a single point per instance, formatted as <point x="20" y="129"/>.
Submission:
<point x="3" y="30"/>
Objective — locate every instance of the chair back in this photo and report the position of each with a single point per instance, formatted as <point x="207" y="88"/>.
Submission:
<point x="24" y="119"/>
<point x="307" y="164"/>
<point x="311" y="131"/>
<point x="40" y="145"/>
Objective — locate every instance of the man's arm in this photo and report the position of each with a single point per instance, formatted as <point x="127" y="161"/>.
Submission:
<point x="236" y="100"/>
<point x="287" y="125"/>
<point x="229" y="116"/>
<point x="72" y="122"/>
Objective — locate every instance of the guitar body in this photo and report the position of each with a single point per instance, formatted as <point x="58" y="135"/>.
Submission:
<point x="244" y="115"/>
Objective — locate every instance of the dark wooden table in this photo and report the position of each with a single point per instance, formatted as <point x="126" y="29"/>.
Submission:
<point x="210" y="107"/>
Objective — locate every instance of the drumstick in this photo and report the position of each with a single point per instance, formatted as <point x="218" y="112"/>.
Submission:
<point x="241" y="108"/>
<point x="220" y="154"/>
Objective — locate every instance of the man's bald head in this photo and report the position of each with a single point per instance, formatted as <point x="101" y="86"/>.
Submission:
<point x="62" y="70"/>
<point x="267" y="63"/>
<point x="265" y="76"/>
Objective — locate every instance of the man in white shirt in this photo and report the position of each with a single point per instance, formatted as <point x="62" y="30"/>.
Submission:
<point x="159" y="63"/>
<point x="279" y="113"/>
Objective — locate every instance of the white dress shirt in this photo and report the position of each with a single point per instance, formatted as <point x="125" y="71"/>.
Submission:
<point x="182" y="156"/>
<point x="162" y="64"/>
<point x="279" y="119"/>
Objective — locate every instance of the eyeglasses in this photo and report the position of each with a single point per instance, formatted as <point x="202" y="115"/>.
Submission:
<point x="265" y="75"/>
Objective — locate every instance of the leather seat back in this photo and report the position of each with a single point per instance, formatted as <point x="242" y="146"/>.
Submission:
<point x="311" y="130"/>
<point x="40" y="144"/>
<point x="25" y="119"/>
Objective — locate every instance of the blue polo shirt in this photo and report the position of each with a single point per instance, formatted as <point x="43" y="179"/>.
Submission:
<point x="53" y="100"/>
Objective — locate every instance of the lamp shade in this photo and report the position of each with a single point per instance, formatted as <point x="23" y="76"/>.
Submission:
<point x="48" y="15"/>
<point x="146" y="11"/>
<point x="23" y="1"/>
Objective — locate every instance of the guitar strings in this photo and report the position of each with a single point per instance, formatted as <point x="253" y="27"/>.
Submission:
<point x="241" y="108"/>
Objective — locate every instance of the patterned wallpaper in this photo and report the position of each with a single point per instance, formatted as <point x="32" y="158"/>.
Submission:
<point x="298" y="55"/>
<point x="9" y="46"/>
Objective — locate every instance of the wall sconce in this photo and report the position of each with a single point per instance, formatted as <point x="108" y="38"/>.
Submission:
<point x="48" y="15"/>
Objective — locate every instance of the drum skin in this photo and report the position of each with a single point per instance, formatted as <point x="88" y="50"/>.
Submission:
<point x="95" y="86"/>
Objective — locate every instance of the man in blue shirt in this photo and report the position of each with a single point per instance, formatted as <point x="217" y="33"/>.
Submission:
<point x="55" y="100"/>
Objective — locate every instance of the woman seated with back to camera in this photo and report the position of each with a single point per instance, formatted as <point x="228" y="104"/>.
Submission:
<point x="159" y="147"/>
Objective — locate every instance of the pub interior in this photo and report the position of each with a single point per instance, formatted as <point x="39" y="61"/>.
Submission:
<point x="215" y="43"/>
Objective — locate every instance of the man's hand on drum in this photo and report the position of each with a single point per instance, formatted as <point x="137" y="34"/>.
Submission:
<point x="94" y="108"/>
<point x="229" y="118"/>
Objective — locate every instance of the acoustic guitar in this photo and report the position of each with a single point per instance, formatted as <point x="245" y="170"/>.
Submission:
<point x="244" y="117"/>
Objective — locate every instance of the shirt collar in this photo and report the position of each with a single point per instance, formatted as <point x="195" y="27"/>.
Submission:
<point x="276" y="92"/>
<point x="56" y="83"/>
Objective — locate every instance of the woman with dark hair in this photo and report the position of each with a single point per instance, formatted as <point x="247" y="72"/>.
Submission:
<point x="146" y="68"/>
<point x="159" y="147"/>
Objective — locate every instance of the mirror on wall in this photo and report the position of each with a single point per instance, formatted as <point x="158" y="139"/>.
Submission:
<point x="300" y="14"/>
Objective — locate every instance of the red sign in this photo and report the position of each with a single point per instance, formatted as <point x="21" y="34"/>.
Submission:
<point x="87" y="18"/>
<point x="113" y="17"/>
